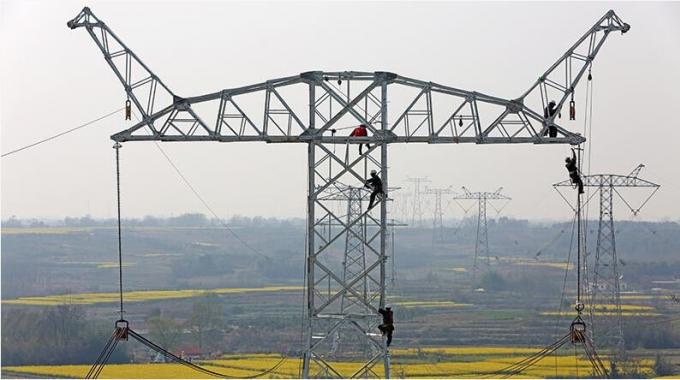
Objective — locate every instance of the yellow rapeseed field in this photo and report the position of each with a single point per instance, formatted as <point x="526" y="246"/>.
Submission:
<point x="602" y="314"/>
<point x="139" y="296"/>
<point x="537" y="263"/>
<point x="452" y="362"/>
<point x="429" y="304"/>
<point x="43" y="230"/>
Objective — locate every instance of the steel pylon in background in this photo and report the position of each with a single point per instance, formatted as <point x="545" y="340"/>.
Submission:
<point x="483" y="199"/>
<point x="438" y="235"/>
<point x="604" y="307"/>
<point x="417" y="206"/>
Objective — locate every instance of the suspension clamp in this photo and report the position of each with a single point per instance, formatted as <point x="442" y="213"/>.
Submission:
<point x="122" y="328"/>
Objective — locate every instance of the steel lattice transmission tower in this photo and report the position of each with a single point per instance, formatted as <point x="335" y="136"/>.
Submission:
<point x="438" y="216"/>
<point x="309" y="108"/>
<point x="605" y="288"/>
<point x="417" y="206"/>
<point x="483" y="200"/>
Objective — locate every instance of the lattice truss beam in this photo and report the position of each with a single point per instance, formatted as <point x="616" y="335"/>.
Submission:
<point x="275" y="110"/>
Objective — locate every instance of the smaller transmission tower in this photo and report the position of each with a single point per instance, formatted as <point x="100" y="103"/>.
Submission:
<point x="438" y="217"/>
<point x="417" y="214"/>
<point x="482" y="242"/>
<point x="605" y="305"/>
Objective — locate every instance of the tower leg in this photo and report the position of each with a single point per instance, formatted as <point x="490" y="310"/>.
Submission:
<point x="341" y="304"/>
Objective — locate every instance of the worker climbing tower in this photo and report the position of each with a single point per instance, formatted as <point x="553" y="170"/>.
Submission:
<point x="438" y="235"/>
<point x="605" y="286"/>
<point x="483" y="199"/>
<point x="310" y="108"/>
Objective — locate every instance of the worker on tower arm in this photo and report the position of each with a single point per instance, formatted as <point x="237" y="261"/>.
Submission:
<point x="572" y="168"/>
<point x="549" y="112"/>
<point x="375" y="184"/>
<point x="387" y="327"/>
<point x="360" y="131"/>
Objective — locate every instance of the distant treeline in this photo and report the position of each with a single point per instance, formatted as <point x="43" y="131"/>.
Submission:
<point x="198" y="219"/>
<point x="184" y="220"/>
<point x="51" y="336"/>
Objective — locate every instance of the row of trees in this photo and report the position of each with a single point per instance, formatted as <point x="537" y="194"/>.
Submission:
<point x="206" y="326"/>
<point x="183" y="220"/>
<point x="54" y="335"/>
<point x="65" y="335"/>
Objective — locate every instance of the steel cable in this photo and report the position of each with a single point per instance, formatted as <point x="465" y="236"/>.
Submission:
<point x="62" y="133"/>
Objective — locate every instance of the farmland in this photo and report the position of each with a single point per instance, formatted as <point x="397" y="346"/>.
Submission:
<point x="427" y="363"/>
<point x="139" y="296"/>
<point x="447" y="323"/>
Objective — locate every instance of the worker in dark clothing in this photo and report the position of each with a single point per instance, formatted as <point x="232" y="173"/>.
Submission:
<point x="572" y="168"/>
<point x="550" y="111"/>
<point x="387" y="327"/>
<point x="360" y="131"/>
<point x="375" y="184"/>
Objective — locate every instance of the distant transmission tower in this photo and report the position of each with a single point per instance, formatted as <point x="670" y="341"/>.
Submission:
<point x="606" y="288"/>
<point x="417" y="214"/>
<point x="482" y="242"/>
<point x="354" y="261"/>
<point x="438" y="217"/>
<point x="359" y="288"/>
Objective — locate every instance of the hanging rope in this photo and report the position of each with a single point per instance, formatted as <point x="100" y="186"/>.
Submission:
<point x="122" y="332"/>
<point x="526" y="363"/>
<point x="303" y="317"/>
<point x="117" y="147"/>
<point x="62" y="133"/>
<point x="169" y="355"/>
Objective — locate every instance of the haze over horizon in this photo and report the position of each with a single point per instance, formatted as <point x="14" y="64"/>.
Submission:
<point x="54" y="79"/>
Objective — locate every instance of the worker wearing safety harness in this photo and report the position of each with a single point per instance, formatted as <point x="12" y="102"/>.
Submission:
<point x="572" y="168"/>
<point x="374" y="183"/>
<point x="550" y="111"/>
<point x="360" y="131"/>
<point x="387" y="327"/>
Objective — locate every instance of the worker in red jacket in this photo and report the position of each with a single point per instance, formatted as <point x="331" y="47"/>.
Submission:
<point x="360" y="131"/>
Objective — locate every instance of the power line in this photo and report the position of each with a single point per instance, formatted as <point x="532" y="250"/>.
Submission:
<point x="62" y="133"/>
<point x="207" y="206"/>
<point x="203" y="201"/>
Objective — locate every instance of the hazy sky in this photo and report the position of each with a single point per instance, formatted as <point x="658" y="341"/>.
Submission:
<point x="53" y="78"/>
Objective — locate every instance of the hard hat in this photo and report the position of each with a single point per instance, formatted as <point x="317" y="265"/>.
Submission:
<point x="388" y="306"/>
<point x="373" y="172"/>
<point x="567" y="159"/>
<point x="552" y="102"/>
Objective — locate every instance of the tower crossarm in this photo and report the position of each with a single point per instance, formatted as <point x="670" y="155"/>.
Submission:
<point x="467" y="194"/>
<point x="559" y="81"/>
<point x="293" y="109"/>
<point x="144" y="89"/>
<point x="610" y="180"/>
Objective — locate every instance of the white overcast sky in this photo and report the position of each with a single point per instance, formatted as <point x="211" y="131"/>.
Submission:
<point x="53" y="78"/>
